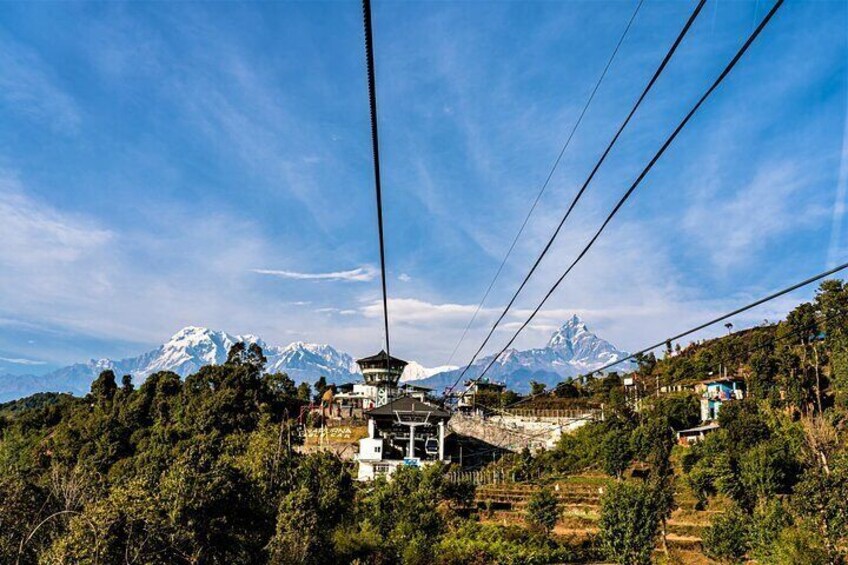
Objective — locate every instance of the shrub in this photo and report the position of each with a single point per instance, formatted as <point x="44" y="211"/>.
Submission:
<point x="799" y="544"/>
<point x="726" y="538"/>
<point x="543" y="510"/>
<point x="769" y="519"/>
<point x="475" y="543"/>
<point x="629" y="521"/>
<point x="616" y="451"/>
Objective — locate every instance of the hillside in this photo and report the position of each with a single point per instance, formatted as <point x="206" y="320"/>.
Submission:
<point x="205" y="469"/>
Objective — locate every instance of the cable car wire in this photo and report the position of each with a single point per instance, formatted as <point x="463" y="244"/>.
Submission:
<point x="597" y="166"/>
<point x="548" y="179"/>
<point x="375" y="144"/>
<point x="637" y="182"/>
<point x="704" y="325"/>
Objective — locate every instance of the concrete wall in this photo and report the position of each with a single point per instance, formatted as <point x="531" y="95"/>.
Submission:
<point x="513" y="432"/>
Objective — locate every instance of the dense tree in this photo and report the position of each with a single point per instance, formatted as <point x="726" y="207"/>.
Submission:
<point x="127" y="384"/>
<point x="104" y="387"/>
<point x="726" y="538"/>
<point x="320" y="386"/>
<point x="299" y="539"/>
<point x="616" y="450"/>
<point x="303" y="392"/>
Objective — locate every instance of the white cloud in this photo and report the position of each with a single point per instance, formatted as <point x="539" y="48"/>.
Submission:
<point x="413" y="310"/>
<point x="18" y="361"/>
<point x="36" y="236"/>
<point x="545" y="328"/>
<point x="403" y="277"/>
<point x="362" y="274"/>
<point x="27" y="87"/>
<point x="326" y="310"/>
<point x="733" y="228"/>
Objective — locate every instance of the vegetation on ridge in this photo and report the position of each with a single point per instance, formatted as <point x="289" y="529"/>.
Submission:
<point x="204" y="471"/>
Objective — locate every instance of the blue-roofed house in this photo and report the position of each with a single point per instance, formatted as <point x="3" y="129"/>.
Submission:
<point x="717" y="392"/>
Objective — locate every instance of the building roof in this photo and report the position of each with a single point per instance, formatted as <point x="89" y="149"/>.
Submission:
<point x="408" y="386"/>
<point x="409" y="405"/>
<point x="381" y="357"/>
<point x="484" y="382"/>
<point x="705" y="428"/>
<point x="720" y="380"/>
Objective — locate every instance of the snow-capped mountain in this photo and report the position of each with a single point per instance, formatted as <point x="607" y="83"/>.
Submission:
<point x="307" y="361"/>
<point x="185" y="353"/>
<point x="572" y="350"/>
<point x="415" y="371"/>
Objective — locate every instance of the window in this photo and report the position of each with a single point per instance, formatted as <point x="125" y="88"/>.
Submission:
<point x="378" y="449"/>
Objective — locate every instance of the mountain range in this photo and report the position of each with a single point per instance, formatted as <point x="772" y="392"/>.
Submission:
<point x="571" y="350"/>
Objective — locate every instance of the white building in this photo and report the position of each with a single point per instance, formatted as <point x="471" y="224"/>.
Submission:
<point x="380" y="386"/>
<point x="405" y="431"/>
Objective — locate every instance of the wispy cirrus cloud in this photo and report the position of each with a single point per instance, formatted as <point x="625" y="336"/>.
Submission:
<point x="733" y="228"/>
<point x="366" y="273"/>
<point x="413" y="310"/>
<point x="21" y="361"/>
<point x="35" y="234"/>
<point x="28" y="87"/>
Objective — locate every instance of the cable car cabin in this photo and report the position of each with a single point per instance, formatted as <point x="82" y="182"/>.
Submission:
<point x="405" y="431"/>
<point x="431" y="446"/>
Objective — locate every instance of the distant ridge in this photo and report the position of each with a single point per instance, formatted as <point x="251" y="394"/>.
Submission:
<point x="571" y="350"/>
<point x="187" y="351"/>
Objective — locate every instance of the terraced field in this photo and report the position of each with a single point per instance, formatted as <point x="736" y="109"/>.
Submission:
<point x="580" y="498"/>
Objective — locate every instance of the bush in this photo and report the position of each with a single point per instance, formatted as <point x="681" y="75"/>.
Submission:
<point x="616" y="451"/>
<point x="629" y="522"/>
<point x="769" y="519"/>
<point x="726" y="539"/>
<point x="475" y="543"/>
<point x="576" y="451"/>
<point x="766" y="469"/>
<point x="543" y="510"/>
<point x="799" y="544"/>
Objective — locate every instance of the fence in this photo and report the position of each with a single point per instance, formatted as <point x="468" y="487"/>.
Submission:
<point x="558" y="413"/>
<point x="487" y="477"/>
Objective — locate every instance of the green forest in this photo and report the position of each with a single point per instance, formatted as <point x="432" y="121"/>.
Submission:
<point x="206" y="469"/>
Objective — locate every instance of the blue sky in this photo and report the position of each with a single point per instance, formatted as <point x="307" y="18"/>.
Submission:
<point x="164" y="165"/>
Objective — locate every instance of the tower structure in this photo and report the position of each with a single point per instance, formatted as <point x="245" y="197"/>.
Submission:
<point x="383" y="373"/>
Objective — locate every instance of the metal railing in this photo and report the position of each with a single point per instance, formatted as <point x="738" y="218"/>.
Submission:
<point x="557" y="413"/>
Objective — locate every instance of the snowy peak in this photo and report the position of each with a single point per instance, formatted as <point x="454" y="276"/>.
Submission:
<point x="416" y="371"/>
<point x="189" y="349"/>
<point x="185" y="353"/>
<point x="195" y="339"/>
<point x="575" y="344"/>
<point x="568" y="332"/>
<point x="572" y="350"/>
<point x="299" y="358"/>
